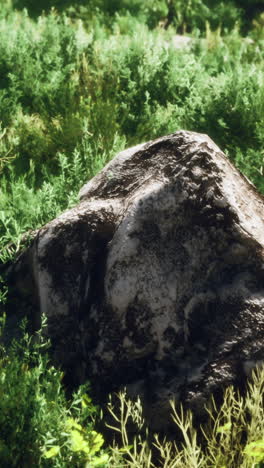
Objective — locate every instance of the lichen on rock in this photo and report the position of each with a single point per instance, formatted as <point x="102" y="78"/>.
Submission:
<point x="155" y="280"/>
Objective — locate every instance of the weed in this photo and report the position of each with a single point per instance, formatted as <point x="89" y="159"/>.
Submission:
<point x="233" y="435"/>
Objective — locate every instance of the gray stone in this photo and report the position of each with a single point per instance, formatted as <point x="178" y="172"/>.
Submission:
<point x="155" y="280"/>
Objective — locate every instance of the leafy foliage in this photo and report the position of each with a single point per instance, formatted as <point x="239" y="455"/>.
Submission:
<point x="183" y="14"/>
<point x="39" y="427"/>
<point x="79" y="82"/>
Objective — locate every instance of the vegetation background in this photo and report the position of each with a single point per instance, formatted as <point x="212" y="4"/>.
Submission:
<point x="79" y="81"/>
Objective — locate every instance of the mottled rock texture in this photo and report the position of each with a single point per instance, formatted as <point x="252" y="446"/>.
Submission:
<point x="155" y="280"/>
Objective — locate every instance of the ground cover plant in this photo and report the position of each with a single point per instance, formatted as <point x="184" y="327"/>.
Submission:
<point x="37" y="422"/>
<point x="233" y="435"/>
<point x="79" y="81"/>
<point x="40" y="427"/>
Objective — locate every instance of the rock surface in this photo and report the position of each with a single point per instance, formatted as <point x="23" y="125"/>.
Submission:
<point x="155" y="281"/>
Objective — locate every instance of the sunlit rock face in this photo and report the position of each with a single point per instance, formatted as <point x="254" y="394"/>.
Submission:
<point x="155" y="281"/>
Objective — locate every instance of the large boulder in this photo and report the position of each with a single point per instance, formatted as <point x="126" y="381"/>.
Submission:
<point x="155" y="280"/>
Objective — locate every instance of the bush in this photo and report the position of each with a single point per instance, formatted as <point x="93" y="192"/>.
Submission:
<point x="224" y="14"/>
<point x="93" y="80"/>
<point x="184" y="15"/>
<point x="39" y="427"/>
<point x="24" y="208"/>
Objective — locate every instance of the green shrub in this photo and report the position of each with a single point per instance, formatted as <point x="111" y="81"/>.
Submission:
<point x="36" y="78"/>
<point x="39" y="427"/>
<point x="120" y="84"/>
<point x="186" y="15"/>
<point x="24" y="208"/>
<point x="233" y="109"/>
<point x="223" y="13"/>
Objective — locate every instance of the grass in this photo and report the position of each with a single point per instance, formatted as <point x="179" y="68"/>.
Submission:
<point x="232" y="437"/>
